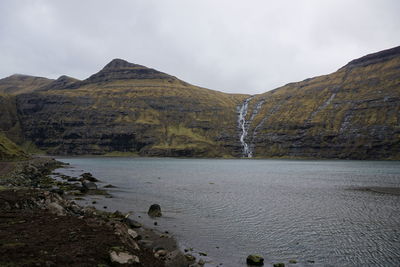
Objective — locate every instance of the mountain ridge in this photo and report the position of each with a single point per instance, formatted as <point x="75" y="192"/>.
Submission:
<point x="353" y="113"/>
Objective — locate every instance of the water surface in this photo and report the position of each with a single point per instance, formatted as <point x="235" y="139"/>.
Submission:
<point x="281" y="209"/>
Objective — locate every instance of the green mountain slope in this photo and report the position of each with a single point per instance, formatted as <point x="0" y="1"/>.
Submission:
<point x="9" y="150"/>
<point x="352" y="113"/>
<point x="126" y="108"/>
<point x="130" y="108"/>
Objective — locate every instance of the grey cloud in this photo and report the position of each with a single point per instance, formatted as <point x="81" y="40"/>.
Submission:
<point x="232" y="46"/>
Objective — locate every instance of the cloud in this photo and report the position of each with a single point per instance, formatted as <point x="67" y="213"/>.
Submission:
<point x="232" y="46"/>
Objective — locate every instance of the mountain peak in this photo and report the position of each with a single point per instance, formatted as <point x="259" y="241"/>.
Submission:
<point x="118" y="63"/>
<point x="119" y="69"/>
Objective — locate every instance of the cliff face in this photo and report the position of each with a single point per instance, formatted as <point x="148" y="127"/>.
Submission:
<point x="352" y="113"/>
<point x="130" y="108"/>
<point x="9" y="121"/>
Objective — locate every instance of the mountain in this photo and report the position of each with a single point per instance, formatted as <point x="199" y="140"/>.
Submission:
<point x="18" y="84"/>
<point x="125" y="109"/>
<point x="130" y="108"/>
<point x="352" y="113"/>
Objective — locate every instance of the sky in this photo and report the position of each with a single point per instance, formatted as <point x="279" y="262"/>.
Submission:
<point x="233" y="46"/>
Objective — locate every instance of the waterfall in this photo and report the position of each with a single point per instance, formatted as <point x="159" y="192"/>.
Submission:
<point x="243" y="126"/>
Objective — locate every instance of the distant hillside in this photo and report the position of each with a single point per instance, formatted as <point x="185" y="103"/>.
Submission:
<point x="18" y="84"/>
<point x="352" y="113"/>
<point x="129" y="109"/>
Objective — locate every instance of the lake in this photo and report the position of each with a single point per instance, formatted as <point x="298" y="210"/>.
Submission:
<point x="307" y="210"/>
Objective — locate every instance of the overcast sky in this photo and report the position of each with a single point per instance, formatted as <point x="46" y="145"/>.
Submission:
<point x="234" y="46"/>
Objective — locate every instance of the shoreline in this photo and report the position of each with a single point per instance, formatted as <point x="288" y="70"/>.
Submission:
<point x="28" y="194"/>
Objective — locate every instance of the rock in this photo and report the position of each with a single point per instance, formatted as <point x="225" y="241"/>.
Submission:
<point x="175" y="258"/>
<point x="203" y="254"/>
<point x="56" y="209"/>
<point x="154" y="211"/>
<point x="161" y="253"/>
<point x="57" y="191"/>
<point x="135" y="245"/>
<point x="132" y="223"/>
<point x="292" y="261"/>
<point x="155" y="223"/>
<point x="254" y="259"/>
<point x="133" y="233"/>
<point x="145" y="243"/>
<point x="279" y="264"/>
<point x="155" y="249"/>
<point x="201" y="262"/>
<point x="89" y="186"/>
<point x="190" y="257"/>
<point x="88" y="176"/>
<point x="123" y="257"/>
<point x="110" y="186"/>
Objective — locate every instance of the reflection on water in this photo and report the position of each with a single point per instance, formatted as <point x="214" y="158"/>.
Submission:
<point x="282" y="209"/>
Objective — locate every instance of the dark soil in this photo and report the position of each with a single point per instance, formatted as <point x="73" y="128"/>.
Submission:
<point x="31" y="236"/>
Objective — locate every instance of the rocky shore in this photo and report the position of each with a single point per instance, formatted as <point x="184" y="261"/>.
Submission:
<point x="41" y="225"/>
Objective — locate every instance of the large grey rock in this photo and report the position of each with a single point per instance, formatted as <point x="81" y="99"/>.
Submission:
<point x="89" y="186"/>
<point x="154" y="211"/>
<point x="123" y="257"/>
<point x="255" y="260"/>
<point x="56" y="208"/>
<point x="132" y="223"/>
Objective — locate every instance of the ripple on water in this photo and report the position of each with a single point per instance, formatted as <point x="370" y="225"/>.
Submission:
<point x="283" y="210"/>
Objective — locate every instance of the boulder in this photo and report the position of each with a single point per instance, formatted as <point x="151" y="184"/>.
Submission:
<point x="132" y="223"/>
<point x="88" y="176"/>
<point x="123" y="257"/>
<point x="155" y="210"/>
<point x="161" y="253"/>
<point x="190" y="257"/>
<point x="254" y="259"/>
<point x="56" y="208"/>
<point x="279" y="264"/>
<point x="89" y="186"/>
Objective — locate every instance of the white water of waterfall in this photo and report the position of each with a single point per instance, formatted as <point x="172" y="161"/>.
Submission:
<point x="243" y="128"/>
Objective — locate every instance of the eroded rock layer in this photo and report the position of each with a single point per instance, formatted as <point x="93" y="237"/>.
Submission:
<point x="130" y="109"/>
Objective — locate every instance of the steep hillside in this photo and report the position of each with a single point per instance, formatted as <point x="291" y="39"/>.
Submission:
<point x="19" y="84"/>
<point x="9" y="150"/>
<point x="126" y="108"/>
<point x="130" y="108"/>
<point x="352" y="113"/>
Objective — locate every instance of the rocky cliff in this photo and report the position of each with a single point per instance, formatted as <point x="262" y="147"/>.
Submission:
<point x="353" y="113"/>
<point x="131" y="109"/>
<point x="126" y="108"/>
